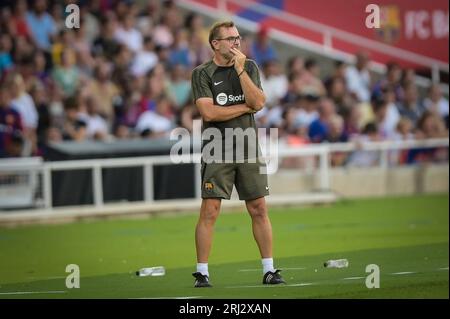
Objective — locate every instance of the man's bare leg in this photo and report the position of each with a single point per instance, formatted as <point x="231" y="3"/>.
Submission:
<point x="262" y="228"/>
<point x="262" y="231"/>
<point x="203" y="239"/>
<point x="205" y="227"/>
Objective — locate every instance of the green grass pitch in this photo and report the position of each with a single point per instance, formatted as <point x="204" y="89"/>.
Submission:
<point x="407" y="237"/>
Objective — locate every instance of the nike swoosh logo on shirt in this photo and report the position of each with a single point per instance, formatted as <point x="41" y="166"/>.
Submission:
<point x="217" y="83"/>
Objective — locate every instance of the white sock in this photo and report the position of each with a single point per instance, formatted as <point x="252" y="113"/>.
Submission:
<point x="267" y="264"/>
<point x="203" y="269"/>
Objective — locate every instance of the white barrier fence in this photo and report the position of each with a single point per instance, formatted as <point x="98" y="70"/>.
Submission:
<point x="26" y="183"/>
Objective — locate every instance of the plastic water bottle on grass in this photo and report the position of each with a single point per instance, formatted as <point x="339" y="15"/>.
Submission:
<point x="337" y="263"/>
<point x="152" y="271"/>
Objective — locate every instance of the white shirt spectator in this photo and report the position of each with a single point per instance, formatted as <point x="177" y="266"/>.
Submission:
<point x="358" y="83"/>
<point x="25" y="106"/>
<point x="162" y="36"/>
<point x="389" y="125"/>
<point x="154" y="122"/>
<point x="275" y="88"/>
<point x="275" y="116"/>
<point x="95" y="124"/>
<point x="143" y="62"/>
<point x="441" y="106"/>
<point x="304" y="118"/>
<point x="132" y="38"/>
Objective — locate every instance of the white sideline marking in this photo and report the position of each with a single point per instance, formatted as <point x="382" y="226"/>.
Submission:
<point x="259" y="269"/>
<point x="301" y="285"/>
<point x="253" y="286"/>
<point x="265" y="286"/>
<point x="31" y="292"/>
<point x="445" y="268"/>
<point x="353" y="278"/>
<point x="403" y="273"/>
<point x="45" y="278"/>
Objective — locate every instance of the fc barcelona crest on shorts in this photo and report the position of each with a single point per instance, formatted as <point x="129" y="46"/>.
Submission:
<point x="209" y="186"/>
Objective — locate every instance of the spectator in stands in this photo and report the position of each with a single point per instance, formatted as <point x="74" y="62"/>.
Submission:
<point x="339" y="72"/>
<point x="295" y="65"/>
<point x="411" y="107"/>
<point x="24" y="104"/>
<point x="19" y="21"/>
<point x="310" y="79"/>
<point x="436" y="103"/>
<point x="319" y="129"/>
<point x="67" y="76"/>
<point x="89" y="22"/>
<point x="189" y="114"/>
<point x="261" y="49"/>
<point x="358" y="78"/>
<point x="199" y="52"/>
<point x="408" y="77"/>
<point x="74" y="128"/>
<point x="55" y="105"/>
<point x="63" y="40"/>
<point x="40" y="70"/>
<point x="11" y="129"/>
<point x="293" y="89"/>
<point x="273" y="82"/>
<point x="53" y="135"/>
<point x="336" y="133"/>
<point x="162" y="34"/>
<point x="82" y="48"/>
<point x="353" y="121"/>
<point x="96" y="126"/>
<point x="403" y="132"/>
<point x="40" y="98"/>
<point x="105" y="44"/>
<point x="23" y="50"/>
<point x="155" y="85"/>
<point x="122" y="132"/>
<point x="42" y="25"/>
<point x="156" y="123"/>
<point x="179" y="51"/>
<point x="386" y="112"/>
<point x="128" y="35"/>
<point x="288" y="125"/>
<point x="392" y="80"/>
<point x="57" y="13"/>
<point x="308" y="106"/>
<point x="338" y="92"/>
<point x="194" y="24"/>
<point x="105" y="92"/>
<point x="6" y="61"/>
<point x="145" y="60"/>
<point x="429" y="126"/>
<point x="179" y="86"/>
<point x="364" y="158"/>
<point x="122" y="61"/>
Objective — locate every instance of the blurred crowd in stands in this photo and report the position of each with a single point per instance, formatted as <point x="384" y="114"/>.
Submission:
<point x="125" y="74"/>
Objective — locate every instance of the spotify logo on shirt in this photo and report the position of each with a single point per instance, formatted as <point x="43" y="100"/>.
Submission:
<point x="222" y="98"/>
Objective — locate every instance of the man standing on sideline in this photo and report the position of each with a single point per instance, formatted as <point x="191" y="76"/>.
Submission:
<point x="227" y="91"/>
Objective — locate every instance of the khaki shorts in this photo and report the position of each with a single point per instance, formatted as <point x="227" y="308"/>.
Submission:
<point x="218" y="180"/>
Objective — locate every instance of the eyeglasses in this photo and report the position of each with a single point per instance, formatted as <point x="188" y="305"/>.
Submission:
<point x="231" y="40"/>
